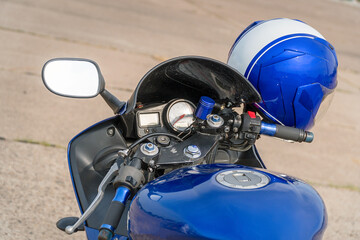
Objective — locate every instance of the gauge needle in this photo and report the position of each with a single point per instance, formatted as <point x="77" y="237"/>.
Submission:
<point x="178" y="119"/>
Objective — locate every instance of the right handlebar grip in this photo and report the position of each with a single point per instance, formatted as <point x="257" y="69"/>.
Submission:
<point x="114" y="213"/>
<point x="287" y="133"/>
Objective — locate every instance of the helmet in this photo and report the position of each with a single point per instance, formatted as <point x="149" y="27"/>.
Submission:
<point x="291" y="65"/>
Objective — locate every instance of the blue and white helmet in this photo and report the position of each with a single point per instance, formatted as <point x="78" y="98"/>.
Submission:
<point x="291" y="65"/>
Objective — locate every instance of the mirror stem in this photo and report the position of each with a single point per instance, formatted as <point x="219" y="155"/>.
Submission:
<point x="115" y="104"/>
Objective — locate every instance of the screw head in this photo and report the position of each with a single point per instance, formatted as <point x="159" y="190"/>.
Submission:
<point x="215" y="118"/>
<point x="192" y="151"/>
<point x="152" y="163"/>
<point x="149" y="147"/>
<point x="215" y="121"/>
<point x="110" y="131"/>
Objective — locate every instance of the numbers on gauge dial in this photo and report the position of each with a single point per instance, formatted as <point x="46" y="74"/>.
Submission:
<point x="181" y="115"/>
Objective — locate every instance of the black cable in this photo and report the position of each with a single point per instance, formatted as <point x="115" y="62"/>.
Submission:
<point x="153" y="135"/>
<point x="188" y="128"/>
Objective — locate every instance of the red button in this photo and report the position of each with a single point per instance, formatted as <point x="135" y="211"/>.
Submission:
<point x="252" y="114"/>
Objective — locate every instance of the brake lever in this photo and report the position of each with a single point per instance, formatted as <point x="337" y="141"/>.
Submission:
<point x="101" y="190"/>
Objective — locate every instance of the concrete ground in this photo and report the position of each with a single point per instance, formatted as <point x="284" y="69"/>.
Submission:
<point x="126" y="39"/>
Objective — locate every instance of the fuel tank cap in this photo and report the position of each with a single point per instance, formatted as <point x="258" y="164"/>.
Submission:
<point x="242" y="179"/>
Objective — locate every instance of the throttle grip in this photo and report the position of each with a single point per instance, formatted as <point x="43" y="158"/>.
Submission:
<point x="114" y="214"/>
<point x="287" y="133"/>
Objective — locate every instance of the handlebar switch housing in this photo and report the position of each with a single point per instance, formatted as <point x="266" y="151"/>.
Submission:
<point x="130" y="175"/>
<point x="250" y="128"/>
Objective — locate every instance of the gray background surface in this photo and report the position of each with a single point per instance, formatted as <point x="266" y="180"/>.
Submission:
<point x="126" y="39"/>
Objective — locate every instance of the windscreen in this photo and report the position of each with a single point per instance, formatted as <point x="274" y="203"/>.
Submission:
<point x="193" y="77"/>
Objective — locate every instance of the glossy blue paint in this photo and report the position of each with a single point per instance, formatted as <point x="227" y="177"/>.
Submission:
<point x="122" y="194"/>
<point x="268" y="129"/>
<point x="278" y="56"/>
<point x="123" y="109"/>
<point x="92" y="234"/>
<point x="189" y="203"/>
<point x="297" y="61"/>
<point x="107" y="226"/>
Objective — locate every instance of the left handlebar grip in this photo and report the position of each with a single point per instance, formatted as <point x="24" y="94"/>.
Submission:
<point x="114" y="213"/>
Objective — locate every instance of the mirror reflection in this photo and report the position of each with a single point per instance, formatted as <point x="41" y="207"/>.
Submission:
<point x="72" y="78"/>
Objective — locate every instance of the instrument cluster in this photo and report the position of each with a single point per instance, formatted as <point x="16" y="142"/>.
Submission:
<point x="175" y="116"/>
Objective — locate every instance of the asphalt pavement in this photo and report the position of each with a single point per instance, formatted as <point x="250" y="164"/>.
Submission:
<point x="126" y="39"/>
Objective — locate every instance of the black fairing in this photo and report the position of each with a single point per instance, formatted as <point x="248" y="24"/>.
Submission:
<point x="191" y="77"/>
<point x="91" y="153"/>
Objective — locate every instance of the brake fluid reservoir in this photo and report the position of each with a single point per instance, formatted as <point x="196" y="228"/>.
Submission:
<point x="204" y="107"/>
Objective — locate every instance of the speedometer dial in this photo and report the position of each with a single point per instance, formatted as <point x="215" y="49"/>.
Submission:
<point x="180" y="115"/>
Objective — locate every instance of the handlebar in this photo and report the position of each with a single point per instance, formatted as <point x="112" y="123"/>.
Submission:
<point x="287" y="133"/>
<point x="252" y="125"/>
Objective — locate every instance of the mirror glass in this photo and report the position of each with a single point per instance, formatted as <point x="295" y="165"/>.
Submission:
<point x="72" y="78"/>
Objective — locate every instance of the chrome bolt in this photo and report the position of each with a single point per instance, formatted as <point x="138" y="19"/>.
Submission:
<point x="152" y="163"/>
<point x="123" y="152"/>
<point x="215" y="118"/>
<point x="110" y="131"/>
<point x="215" y="121"/>
<point x="192" y="151"/>
<point x="149" y="149"/>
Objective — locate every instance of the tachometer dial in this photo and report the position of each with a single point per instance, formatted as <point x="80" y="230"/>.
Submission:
<point x="180" y="115"/>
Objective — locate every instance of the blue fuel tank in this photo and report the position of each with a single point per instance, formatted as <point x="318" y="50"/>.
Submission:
<point x="221" y="201"/>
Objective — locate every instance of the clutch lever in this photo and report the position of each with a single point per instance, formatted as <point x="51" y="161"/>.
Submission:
<point x="101" y="190"/>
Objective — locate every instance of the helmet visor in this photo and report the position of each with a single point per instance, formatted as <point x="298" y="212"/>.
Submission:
<point x="325" y="104"/>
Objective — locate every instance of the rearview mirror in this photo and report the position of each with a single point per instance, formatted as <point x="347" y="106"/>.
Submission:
<point x="73" y="77"/>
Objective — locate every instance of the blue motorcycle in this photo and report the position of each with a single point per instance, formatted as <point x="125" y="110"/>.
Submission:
<point x="178" y="160"/>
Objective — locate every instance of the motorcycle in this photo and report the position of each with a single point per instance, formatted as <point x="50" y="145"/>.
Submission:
<point x="178" y="160"/>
